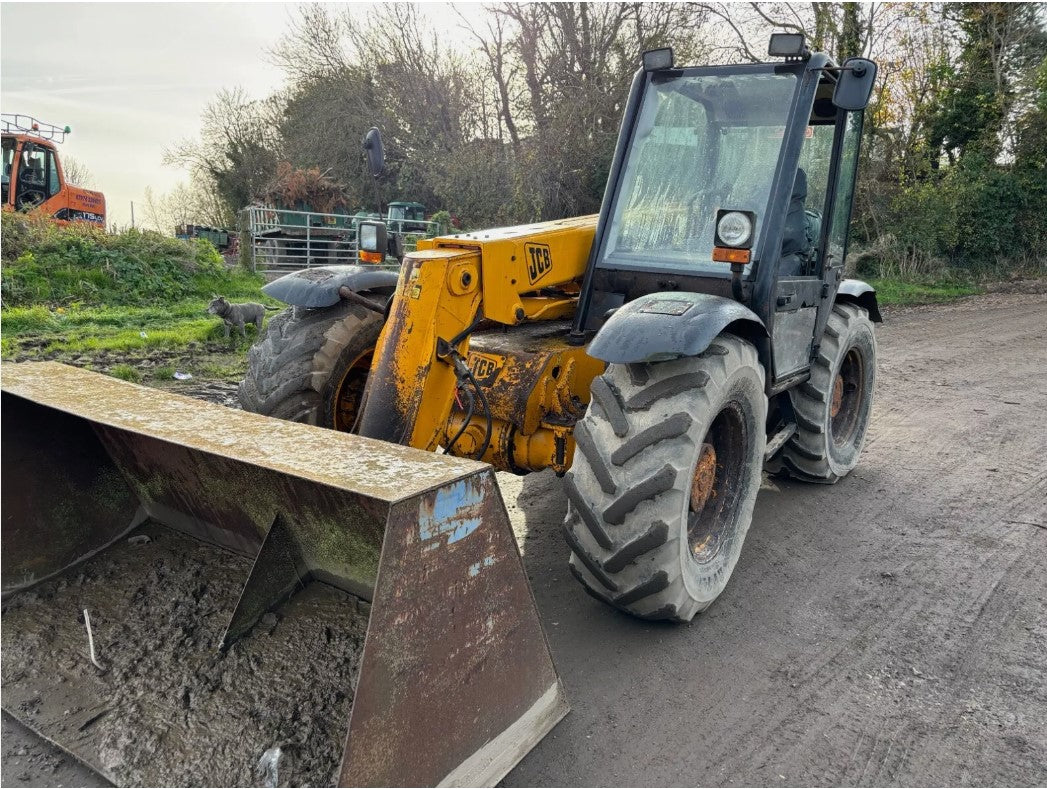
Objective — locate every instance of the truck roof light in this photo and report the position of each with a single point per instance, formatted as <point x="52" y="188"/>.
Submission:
<point x="788" y="45"/>
<point x="658" y="59"/>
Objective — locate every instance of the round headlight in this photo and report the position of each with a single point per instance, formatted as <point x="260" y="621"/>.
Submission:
<point x="734" y="228"/>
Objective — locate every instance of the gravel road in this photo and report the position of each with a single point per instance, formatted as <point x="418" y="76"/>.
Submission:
<point x="889" y="630"/>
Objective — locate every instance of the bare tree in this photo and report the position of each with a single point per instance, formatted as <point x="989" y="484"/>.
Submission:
<point x="191" y="202"/>
<point x="76" y="173"/>
<point x="238" y="148"/>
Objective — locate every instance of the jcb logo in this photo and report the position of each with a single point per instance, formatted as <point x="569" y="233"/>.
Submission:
<point x="539" y="261"/>
<point x="484" y="368"/>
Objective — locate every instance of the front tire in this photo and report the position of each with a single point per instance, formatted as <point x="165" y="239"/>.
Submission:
<point x="667" y="464"/>
<point x="312" y="364"/>
<point x="832" y="408"/>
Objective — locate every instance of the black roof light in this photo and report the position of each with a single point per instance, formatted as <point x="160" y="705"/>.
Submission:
<point x="658" y="59"/>
<point x="788" y="45"/>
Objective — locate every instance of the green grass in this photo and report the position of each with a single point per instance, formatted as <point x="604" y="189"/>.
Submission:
<point x="126" y="372"/>
<point x="232" y="369"/>
<point x="80" y="291"/>
<point x="83" y="266"/>
<point x="903" y="292"/>
<point x="89" y="330"/>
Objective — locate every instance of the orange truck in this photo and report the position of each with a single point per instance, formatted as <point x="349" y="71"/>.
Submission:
<point x="33" y="177"/>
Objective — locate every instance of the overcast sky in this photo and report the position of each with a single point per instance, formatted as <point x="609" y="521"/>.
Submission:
<point x="132" y="78"/>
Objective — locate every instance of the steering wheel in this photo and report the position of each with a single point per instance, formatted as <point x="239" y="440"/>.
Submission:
<point x="31" y="198"/>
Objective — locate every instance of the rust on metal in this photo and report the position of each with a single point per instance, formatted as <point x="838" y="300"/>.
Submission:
<point x="703" y="485"/>
<point x="350" y="390"/>
<point x="351" y="295"/>
<point x="470" y="628"/>
<point x="848" y="395"/>
<point x="837" y="399"/>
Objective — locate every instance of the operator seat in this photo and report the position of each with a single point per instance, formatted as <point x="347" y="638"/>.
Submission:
<point x="801" y="231"/>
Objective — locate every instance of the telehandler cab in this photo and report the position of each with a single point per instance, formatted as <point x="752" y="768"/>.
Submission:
<point x="657" y="356"/>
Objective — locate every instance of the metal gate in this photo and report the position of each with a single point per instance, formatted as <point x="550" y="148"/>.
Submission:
<point x="279" y="241"/>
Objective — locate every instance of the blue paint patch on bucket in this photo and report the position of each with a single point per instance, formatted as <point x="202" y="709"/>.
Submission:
<point x="475" y="569"/>
<point x="453" y="513"/>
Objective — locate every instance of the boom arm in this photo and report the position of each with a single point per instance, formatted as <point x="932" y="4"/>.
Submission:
<point x="445" y="289"/>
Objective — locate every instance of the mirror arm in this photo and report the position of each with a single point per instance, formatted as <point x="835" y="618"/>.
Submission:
<point x="858" y="71"/>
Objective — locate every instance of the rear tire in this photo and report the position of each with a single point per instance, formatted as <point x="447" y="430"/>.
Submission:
<point x="832" y="408"/>
<point x="654" y="521"/>
<point x="312" y="364"/>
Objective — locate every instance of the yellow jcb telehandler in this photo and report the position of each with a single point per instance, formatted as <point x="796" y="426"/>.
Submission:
<point x="658" y="355"/>
<point x="188" y="588"/>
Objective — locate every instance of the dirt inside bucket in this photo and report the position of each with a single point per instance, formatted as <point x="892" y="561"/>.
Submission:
<point x="168" y="707"/>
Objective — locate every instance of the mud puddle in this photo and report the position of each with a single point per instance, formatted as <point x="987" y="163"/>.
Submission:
<point x="167" y="707"/>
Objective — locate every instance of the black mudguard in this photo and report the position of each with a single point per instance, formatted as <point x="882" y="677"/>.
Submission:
<point x="318" y="287"/>
<point x="861" y="293"/>
<point x="666" y="325"/>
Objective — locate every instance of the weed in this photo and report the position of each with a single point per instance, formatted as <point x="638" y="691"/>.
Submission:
<point x="228" y="368"/>
<point x="29" y="320"/>
<point x="126" y="372"/>
<point x="164" y="372"/>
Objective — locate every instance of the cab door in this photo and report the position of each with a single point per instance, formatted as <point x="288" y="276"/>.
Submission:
<point x="37" y="178"/>
<point x="843" y="180"/>
<point x="9" y="174"/>
<point x="56" y="199"/>
<point x="799" y="291"/>
<point x="809" y="275"/>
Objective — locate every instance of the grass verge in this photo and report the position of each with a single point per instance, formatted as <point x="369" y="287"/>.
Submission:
<point x="896" y="292"/>
<point x="43" y="330"/>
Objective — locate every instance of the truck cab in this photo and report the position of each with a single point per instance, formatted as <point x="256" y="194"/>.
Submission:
<point x="33" y="178"/>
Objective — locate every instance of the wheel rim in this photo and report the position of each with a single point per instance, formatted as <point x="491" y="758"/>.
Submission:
<point x="847" y="396"/>
<point x="717" y="483"/>
<point x="350" y="389"/>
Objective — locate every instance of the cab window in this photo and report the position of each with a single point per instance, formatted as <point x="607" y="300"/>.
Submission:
<point x="32" y="182"/>
<point x="54" y="183"/>
<point x="9" y="160"/>
<point x="32" y="168"/>
<point x="703" y="141"/>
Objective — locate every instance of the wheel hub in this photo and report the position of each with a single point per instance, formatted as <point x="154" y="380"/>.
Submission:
<point x="847" y="396"/>
<point x="349" y="393"/>
<point x="837" y="400"/>
<point x="703" y="486"/>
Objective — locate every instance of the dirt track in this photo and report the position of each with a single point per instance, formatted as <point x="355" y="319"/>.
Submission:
<point x="889" y="630"/>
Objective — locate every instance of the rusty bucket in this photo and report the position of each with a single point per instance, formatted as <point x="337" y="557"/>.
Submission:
<point x="199" y="596"/>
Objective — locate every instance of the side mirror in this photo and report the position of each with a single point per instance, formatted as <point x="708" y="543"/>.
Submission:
<point x="372" y="241"/>
<point x="374" y="152"/>
<point x="856" y="83"/>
